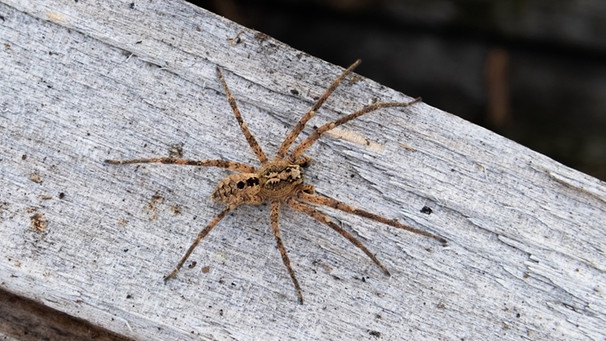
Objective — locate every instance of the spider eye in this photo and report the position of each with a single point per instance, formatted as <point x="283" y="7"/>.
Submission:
<point x="240" y="184"/>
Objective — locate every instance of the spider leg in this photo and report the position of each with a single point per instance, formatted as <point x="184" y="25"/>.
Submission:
<point x="315" y="199"/>
<point x="252" y="142"/>
<point x="292" y="136"/>
<point x="200" y="236"/>
<point x="274" y="217"/>
<point x="318" y="132"/>
<point x="324" y="219"/>
<point x="237" y="166"/>
<point x="303" y="161"/>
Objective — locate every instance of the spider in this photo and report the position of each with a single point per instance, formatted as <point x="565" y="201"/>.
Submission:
<point x="280" y="181"/>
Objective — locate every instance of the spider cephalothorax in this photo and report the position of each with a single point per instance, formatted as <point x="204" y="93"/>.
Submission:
<point x="280" y="181"/>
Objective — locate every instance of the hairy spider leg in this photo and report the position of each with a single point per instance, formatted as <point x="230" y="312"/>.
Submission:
<point x="318" y="132"/>
<point x="292" y="136"/>
<point x="274" y="216"/>
<point x="232" y="165"/>
<point x="315" y="199"/>
<point x="324" y="219"/>
<point x="252" y="142"/>
<point x="199" y="238"/>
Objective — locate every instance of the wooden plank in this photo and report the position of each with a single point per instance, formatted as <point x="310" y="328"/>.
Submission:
<point x="25" y="320"/>
<point x="86" y="81"/>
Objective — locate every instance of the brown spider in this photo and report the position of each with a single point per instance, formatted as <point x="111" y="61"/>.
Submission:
<point x="281" y="180"/>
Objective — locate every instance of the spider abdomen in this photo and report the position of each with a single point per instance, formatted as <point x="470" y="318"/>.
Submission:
<point x="236" y="189"/>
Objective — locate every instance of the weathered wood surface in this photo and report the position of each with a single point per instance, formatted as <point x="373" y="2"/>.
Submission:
<point x="85" y="81"/>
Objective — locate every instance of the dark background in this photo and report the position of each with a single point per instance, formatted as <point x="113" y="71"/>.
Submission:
<point x="533" y="71"/>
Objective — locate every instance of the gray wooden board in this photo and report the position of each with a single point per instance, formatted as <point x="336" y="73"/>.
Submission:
<point x="89" y="80"/>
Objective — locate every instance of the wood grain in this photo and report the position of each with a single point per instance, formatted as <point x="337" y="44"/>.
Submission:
<point x="86" y="81"/>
